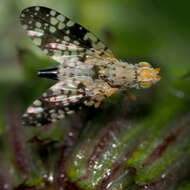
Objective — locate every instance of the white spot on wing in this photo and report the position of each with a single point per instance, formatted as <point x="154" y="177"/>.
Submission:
<point x="61" y="116"/>
<point x="37" y="41"/>
<point x="61" y="26"/>
<point x="76" y="42"/>
<point x="61" y="18"/>
<point x="70" y="23"/>
<point x="66" y="38"/>
<point x="70" y="112"/>
<point x="101" y="45"/>
<point x="38" y="24"/>
<point x="52" y="13"/>
<point x="53" y="21"/>
<point x="34" y="110"/>
<point x="37" y="103"/>
<point x="37" y="8"/>
<point x="67" y="32"/>
<point x="52" y="29"/>
<point x="90" y="36"/>
<point x="35" y="33"/>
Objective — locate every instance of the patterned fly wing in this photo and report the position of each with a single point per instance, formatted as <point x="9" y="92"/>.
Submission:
<point x="60" y="38"/>
<point x="64" y="98"/>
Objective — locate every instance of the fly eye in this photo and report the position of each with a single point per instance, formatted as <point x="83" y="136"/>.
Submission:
<point x="146" y="84"/>
<point x="144" y="64"/>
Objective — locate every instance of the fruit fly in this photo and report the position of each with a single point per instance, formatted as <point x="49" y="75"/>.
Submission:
<point x="88" y="71"/>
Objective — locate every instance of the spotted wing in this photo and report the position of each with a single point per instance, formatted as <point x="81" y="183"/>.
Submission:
<point x="65" y="98"/>
<point x="62" y="99"/>
<point x="60" y="38"/>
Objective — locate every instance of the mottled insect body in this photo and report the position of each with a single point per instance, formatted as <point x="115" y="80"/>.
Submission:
<point x="117" y="74"/>
<point x="88" y="71"/>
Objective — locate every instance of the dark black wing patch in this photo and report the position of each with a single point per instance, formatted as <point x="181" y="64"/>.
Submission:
<point x="59" y="37"/>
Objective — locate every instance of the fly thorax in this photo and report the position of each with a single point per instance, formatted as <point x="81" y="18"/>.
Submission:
<point x="120" y="74"/>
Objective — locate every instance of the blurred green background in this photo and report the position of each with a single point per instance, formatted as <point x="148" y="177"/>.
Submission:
<point x="155" y="31"/>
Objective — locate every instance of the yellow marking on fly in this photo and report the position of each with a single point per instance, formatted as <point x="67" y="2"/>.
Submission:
<point x="146" y="75"/>
<point x="101" y="96"/>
